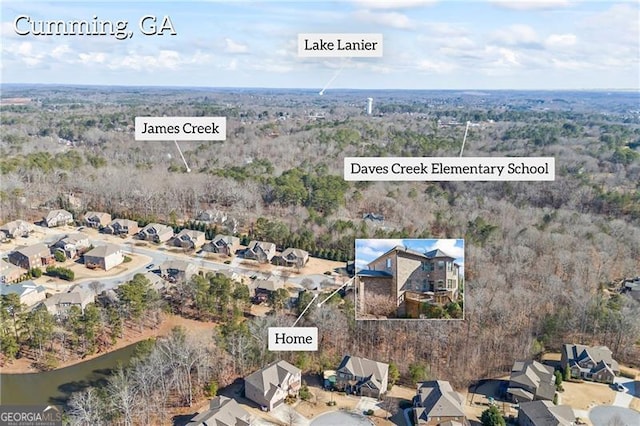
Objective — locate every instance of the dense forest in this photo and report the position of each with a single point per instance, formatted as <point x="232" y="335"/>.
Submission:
<point x="543" y="259"/>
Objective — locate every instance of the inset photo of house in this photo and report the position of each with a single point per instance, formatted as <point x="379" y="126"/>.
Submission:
<point x="409" y="279"/>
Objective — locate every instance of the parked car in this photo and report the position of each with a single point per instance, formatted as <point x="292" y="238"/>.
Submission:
<point x="619" y="387"/>
<point x="150" y="266"/>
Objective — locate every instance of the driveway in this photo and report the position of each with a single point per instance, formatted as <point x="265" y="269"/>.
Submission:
<point x="623" y="399"/>
<point x="605" y="415"/>
<point x="367" y="403"/>
<point x="288" y="415"/>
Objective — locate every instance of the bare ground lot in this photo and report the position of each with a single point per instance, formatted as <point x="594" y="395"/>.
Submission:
<point x="584" y="396"/>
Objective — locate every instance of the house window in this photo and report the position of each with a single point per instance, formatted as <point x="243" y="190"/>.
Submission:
<point x="440" y="265"/>
<point x="425" y="285"/>
<point x="427" y="266"/>
<point x="449" y="266"/>
<point x="388" y="263"/>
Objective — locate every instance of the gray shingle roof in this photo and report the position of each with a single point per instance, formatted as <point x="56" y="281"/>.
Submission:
<point x="372" y="371"/>
<point x="271" y="377"/>
<point x="103" y="251"/>
<point x="222" y="411"/>
<point x="438" y="399"/>
<point x="544" y="413"/>
<point x="577" y="353"/>
<point x="533" y="376"/>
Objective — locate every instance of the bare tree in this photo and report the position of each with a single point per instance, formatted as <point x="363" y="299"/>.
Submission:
<point x="123" y="395"/>
<point x="86" y="409"/>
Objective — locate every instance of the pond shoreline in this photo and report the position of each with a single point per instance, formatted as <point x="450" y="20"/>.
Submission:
<point x="132" y="336"/>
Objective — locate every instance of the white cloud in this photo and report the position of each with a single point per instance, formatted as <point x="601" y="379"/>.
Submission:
<point x="560" y="40"/>
<point x="235" y="47"/>
<point x="449" y="247"/>
<point x="24" y="52"/>
<point x="92" y="58"/>
<point x="435" y="66"/>
<point x="532" y="5"/>
<point x="61" y="51"/>
<point x="165" y="59"/>
<point x="388" y="19"/>
<point x="391" y="4"/>
<point x="515" y="35"/>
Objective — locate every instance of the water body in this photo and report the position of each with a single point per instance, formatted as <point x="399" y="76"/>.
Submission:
<point x="55" y="387"/>
<point x="343" y="418"/>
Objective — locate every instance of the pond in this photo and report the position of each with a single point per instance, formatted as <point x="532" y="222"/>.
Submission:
<point x="55" y="387"/>
<point x="343" y="418"/>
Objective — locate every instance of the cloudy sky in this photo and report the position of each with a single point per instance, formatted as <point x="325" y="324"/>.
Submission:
<point x="370" y="249"/>
<point x="428" y="44"/>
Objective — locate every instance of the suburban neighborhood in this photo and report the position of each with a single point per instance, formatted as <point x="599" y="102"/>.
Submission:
<point x="532" y="395"/>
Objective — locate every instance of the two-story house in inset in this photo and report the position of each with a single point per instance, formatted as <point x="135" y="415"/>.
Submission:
<point x="590" y="362"/>
<point x="270" y="386"/>
<point x="411" y="278"/>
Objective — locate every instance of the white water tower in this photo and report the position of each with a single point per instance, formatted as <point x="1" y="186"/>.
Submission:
<point x="369" y="105"/>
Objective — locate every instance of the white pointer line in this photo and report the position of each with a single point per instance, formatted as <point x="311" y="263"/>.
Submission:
<point x="466" y="130"/>
<point x="183" y="160"/>
<point x="333" y="78"/>
<point x="339" y="288"/>
<point x="305" y="310"/>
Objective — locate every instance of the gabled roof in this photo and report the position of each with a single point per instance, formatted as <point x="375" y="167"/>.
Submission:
<point x="544" y="413"/>
<point x="372" y="371"/>
<point x="98" y="215"/>
<point x="437" y="253"/>
<point x="222" y="411"/>
<point x="124" y="222"/>
<point x="533" y="376"/>
<point x="178" y="265"/>
<point x="192" y="234"/>
<point x="59" y="212"/>
<point x="79" y="296"/>
<point x="33" y="250"/>
<point x="12" y="226"/>
<point x="103" y="251"/>
<point x="21" y="289"/>
<point x="72" y="238"/>
<point x="298" y="253"/>
<point x="438" y="399"/>
<point x="227" y="239"/>
<point x="158" y="228"/>
<point x="269" y="285"/>
<point x="263" y="245"/>
<point x="271" y="378"/>
<point x="578" y="353"/>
